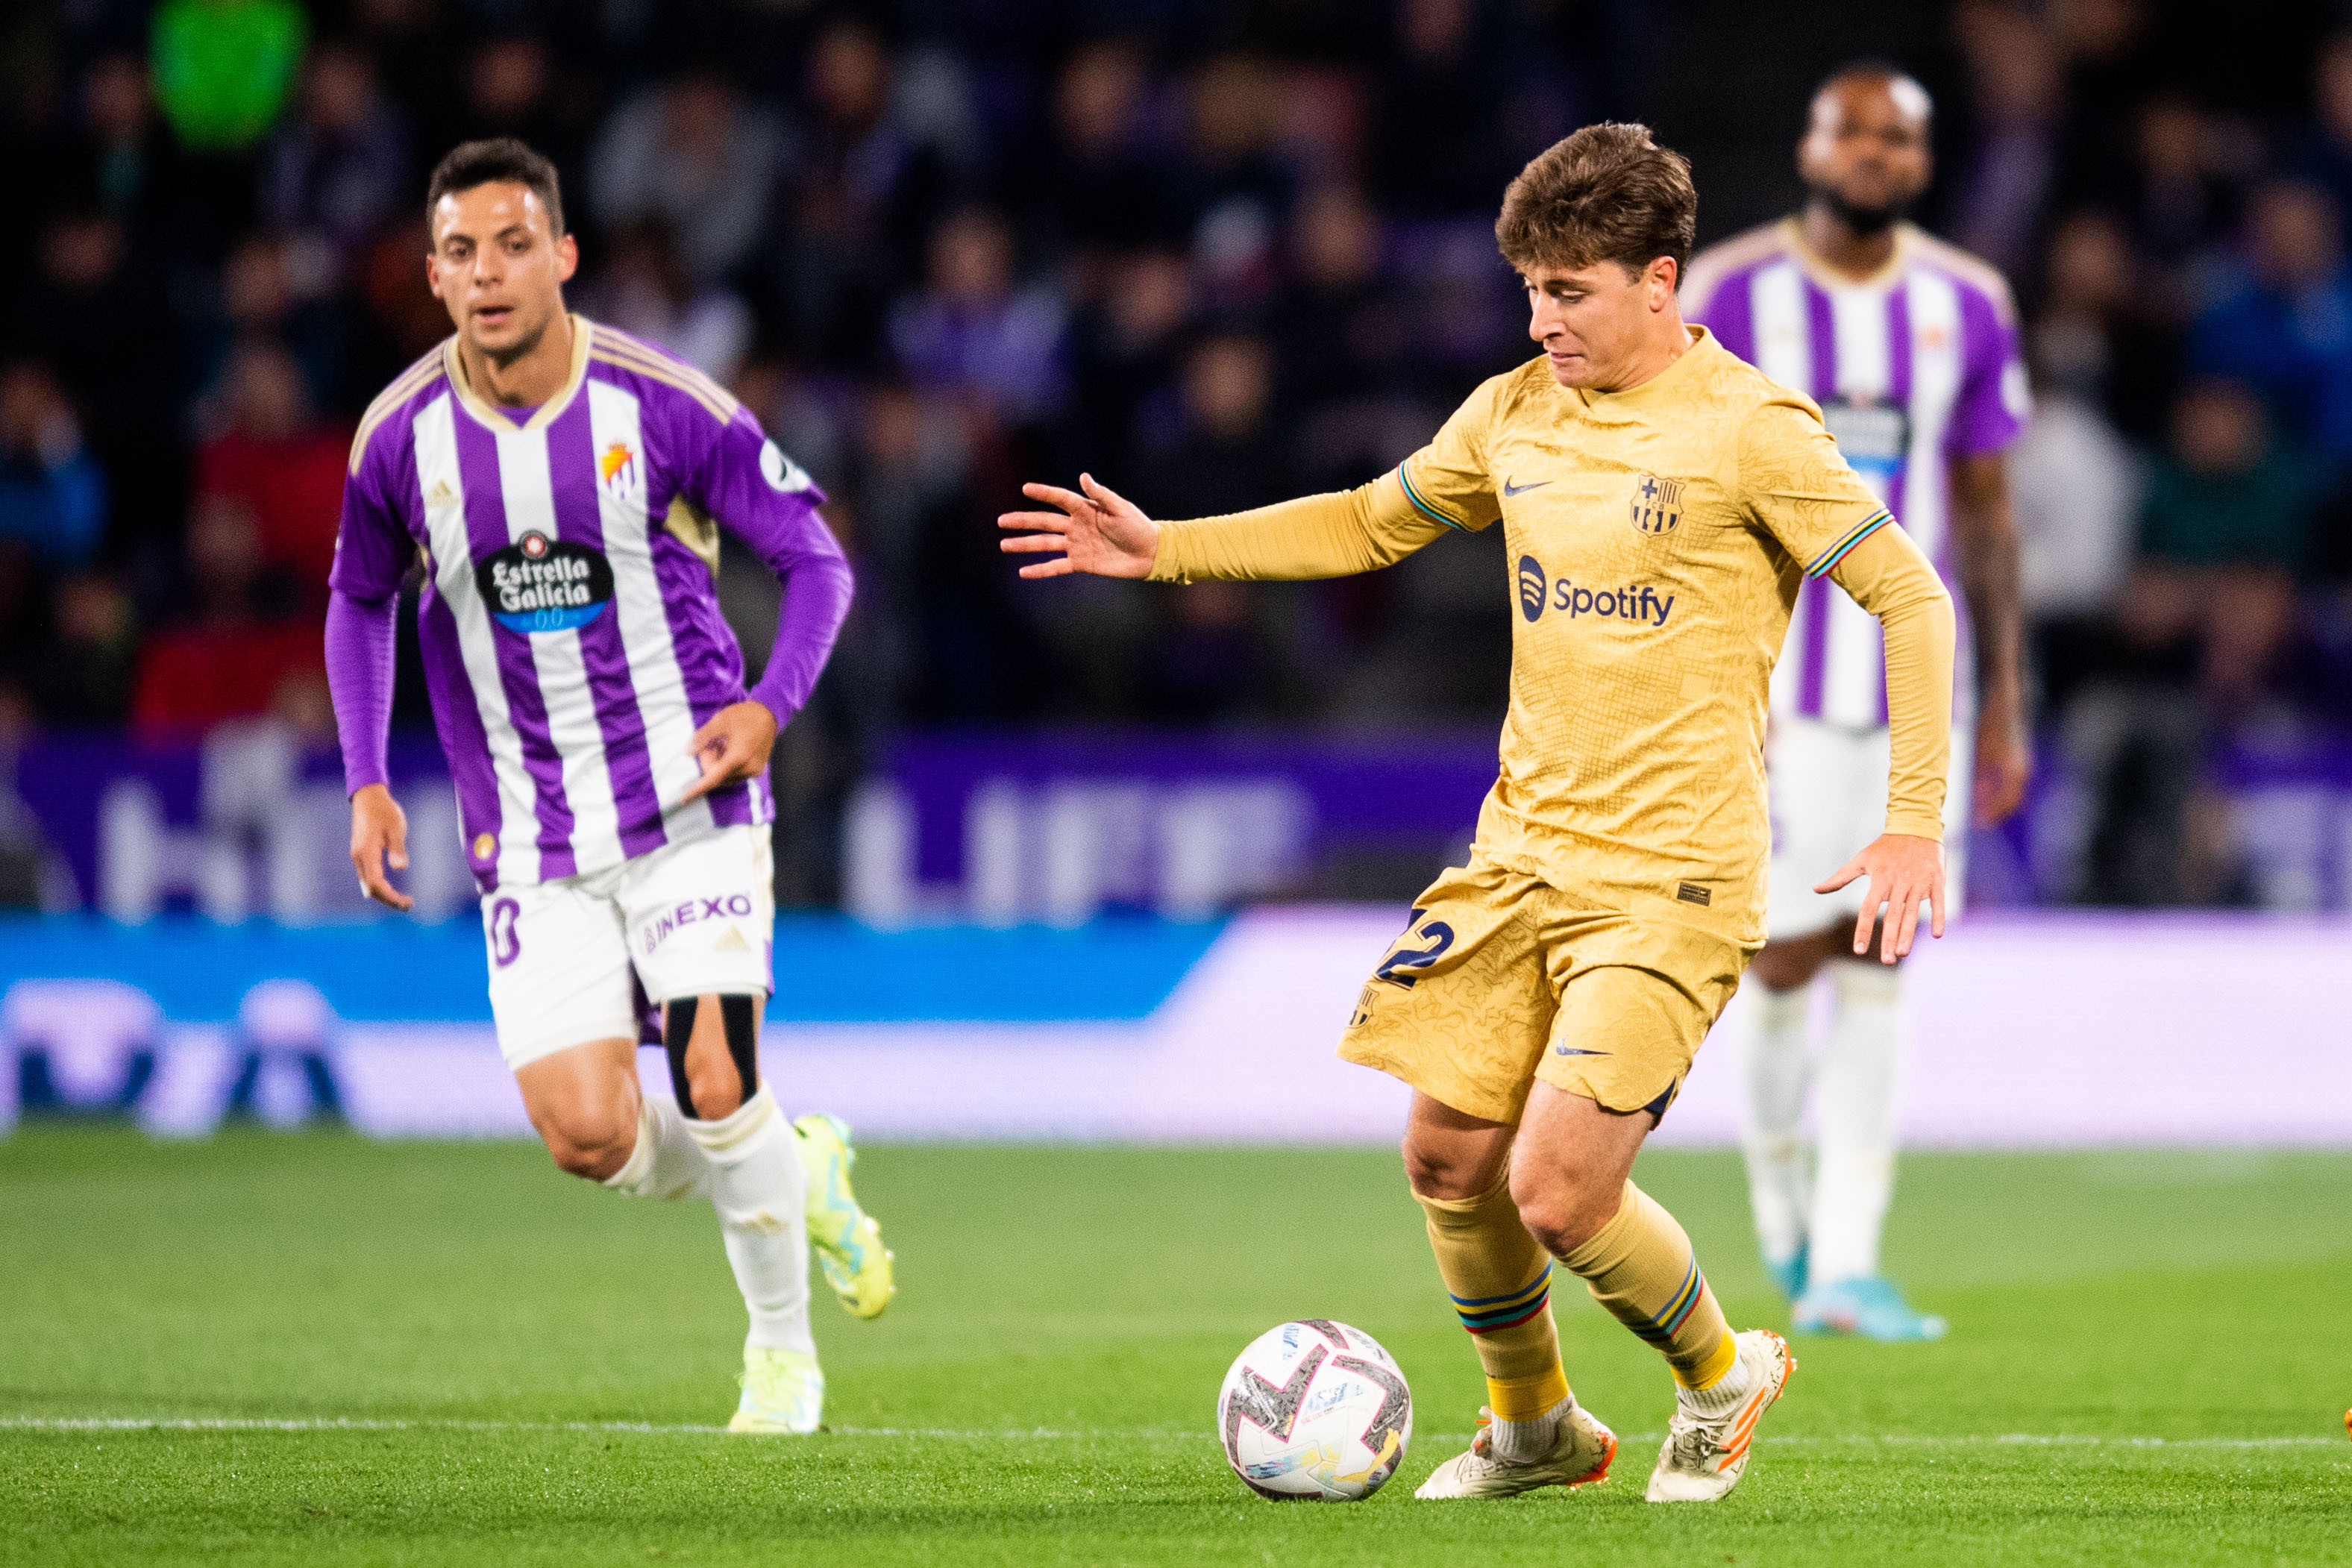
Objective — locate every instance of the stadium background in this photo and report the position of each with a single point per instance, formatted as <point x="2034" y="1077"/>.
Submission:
<point x="1086" y="860"/>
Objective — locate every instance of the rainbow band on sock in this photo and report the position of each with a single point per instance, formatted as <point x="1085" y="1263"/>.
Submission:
<point x="1485" y="1314"/>
<point x="1413" y="496"/>
<point x="1667" y="1321"/>
<point x="1837" y="553"/>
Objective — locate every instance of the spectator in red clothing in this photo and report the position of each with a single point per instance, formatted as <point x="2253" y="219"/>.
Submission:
<point x="286" y="468"/>
<point x="237" y="660"/>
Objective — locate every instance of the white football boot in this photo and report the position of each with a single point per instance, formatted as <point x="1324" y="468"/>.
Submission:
<point x="1707" y="1452"/>
<point x="1580" y="1457"/>
<point x="784" y="1391"/>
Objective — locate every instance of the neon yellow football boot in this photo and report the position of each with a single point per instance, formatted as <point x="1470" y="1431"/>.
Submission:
<point x="784" y="1391"/>
<point x="848" y="1243"/>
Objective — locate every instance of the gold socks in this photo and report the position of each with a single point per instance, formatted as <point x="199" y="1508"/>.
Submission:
<point x="1641" y="1267"/>
<point x="1500" y="1279"/>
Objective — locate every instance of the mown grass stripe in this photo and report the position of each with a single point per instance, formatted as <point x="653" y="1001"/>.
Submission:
<point x="1049" y="1433"/>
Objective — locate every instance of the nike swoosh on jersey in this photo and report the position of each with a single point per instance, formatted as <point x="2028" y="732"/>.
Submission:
<point x="1511" y="490"/>
<point x="1573" y="1051"/>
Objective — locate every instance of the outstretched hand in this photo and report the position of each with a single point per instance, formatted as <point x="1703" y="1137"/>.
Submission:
<point x="1904" y="871"/>
<point x="1098" y="531"/>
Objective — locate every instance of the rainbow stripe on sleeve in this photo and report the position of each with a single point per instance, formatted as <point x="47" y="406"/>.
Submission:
<point x="1837" y="553"/>
<point x="1412" y="495"/>
<point x="1485" y="1314"/>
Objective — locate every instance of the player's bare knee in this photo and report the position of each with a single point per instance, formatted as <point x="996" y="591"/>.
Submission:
<point x="716" y="1091"/>
<point x="713" y="1070"/>
<point x="593" y="1148"/>
<point x="599" y="1163"/>
<point x="1434" y="1174"/>
<point x="1560" y="1209"/>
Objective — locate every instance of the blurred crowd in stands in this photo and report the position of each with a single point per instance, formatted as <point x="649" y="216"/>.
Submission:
<point x="1214" y="253"/>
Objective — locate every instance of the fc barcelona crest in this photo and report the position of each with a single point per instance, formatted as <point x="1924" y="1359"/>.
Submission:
<point x="1658" y="504"/>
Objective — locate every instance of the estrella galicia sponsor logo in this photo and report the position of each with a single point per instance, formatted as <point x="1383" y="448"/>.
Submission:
<point x="1868" y="432"/>
<point x="1658" y="504"/>
<point x="542" y="584"/>
<point x="1531" y="586"/>
<point x="1640" y="604"/>
<point x="1875" y="438"/>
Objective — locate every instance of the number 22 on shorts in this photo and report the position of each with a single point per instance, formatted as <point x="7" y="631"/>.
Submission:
<point x="1436" y="933"/>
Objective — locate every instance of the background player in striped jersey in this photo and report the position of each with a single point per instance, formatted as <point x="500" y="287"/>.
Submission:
<point x="1910" y="348"/>
<point x="560" y="484"/>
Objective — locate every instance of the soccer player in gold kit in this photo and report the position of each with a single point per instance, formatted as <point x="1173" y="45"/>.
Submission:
<point x="1661" y="501"/>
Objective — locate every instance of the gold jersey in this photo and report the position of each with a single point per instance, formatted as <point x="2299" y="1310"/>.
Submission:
<point x="1656" y="537"/>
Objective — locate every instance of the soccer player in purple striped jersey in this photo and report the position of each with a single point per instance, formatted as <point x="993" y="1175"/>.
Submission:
<point x="1909" y="346"/>
<point x="561" y="485"/>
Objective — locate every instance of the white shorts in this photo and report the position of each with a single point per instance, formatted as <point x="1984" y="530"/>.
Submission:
<point x="1828" y="790"/>
<point x="569" y="959"/>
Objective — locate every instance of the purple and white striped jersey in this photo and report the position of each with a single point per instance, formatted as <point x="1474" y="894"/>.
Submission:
<point x="1911" y="368"/>
<point x="572" y="637"/>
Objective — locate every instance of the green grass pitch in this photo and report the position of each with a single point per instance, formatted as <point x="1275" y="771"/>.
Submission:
<point x="449" y="1353"/>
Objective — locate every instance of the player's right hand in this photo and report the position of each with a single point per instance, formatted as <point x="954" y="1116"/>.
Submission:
<point x="380" y="832"/>
<point x="1098" y="532"/>
<point x="1904" y="871"/>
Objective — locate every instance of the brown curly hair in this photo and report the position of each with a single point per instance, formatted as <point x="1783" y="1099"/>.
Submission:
<point x="1609" y="192"/>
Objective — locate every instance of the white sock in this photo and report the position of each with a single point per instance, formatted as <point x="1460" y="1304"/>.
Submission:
<point x="1775" y="1062"/>
<point x="1524" y="1442"/>
<point x="761" y="1191"/>
<point x="1724" y="1392"/>
<point x="1860" y="1081"/>
<point x="666" y="1162"/>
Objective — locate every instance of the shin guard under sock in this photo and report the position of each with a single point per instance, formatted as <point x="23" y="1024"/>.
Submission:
<point x="1500" y="1279"/>
<point x="666" y="1162"/>
<point x="761" y="1191"/>
<point x="1640" y="1265"/>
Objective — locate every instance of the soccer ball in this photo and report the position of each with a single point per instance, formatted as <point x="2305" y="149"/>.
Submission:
<point x="1315" y="1410"/>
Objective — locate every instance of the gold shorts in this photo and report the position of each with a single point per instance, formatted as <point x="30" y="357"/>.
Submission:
<point x="1500" y="979"/>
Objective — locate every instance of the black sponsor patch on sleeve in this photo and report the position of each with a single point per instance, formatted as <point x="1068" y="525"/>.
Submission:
<point x="1692" y="893"/>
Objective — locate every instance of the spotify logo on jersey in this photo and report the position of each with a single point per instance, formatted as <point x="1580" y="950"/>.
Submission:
<point x="542" y="584"/>
<point x="1639" y="604"/>
<point x="1531" y="587"/>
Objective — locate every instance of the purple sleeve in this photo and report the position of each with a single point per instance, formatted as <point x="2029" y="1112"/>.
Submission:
<point x="362" y="638"/>
<point x="769" y="502"/>
<point x="1993" y="401"/>
<point x="373" y="549"/>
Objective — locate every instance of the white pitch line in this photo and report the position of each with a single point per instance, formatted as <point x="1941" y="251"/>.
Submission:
<point x="326" y="1424"/>
<point x="1049" y="1433"/>
<point x="647" y="1428"/>
<point x="2055" y="1440"/>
